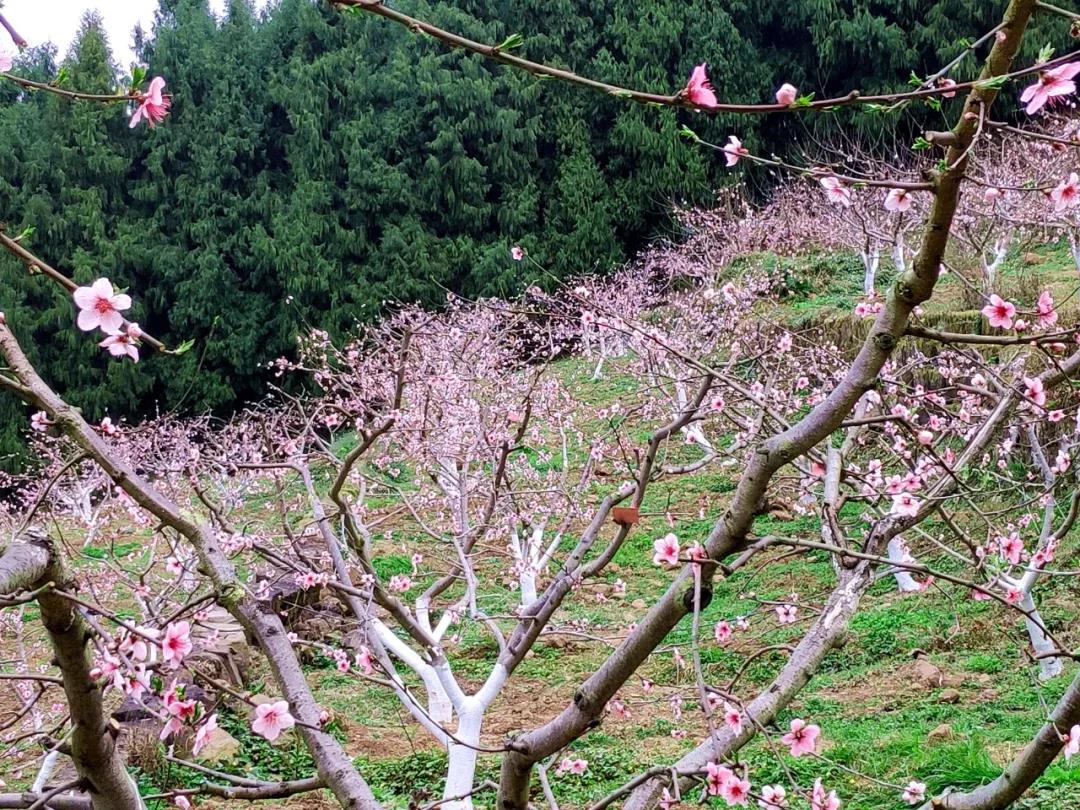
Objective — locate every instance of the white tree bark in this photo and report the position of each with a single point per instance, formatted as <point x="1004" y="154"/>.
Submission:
<point x="898" y="552"/>
<point x="870" y="259"/>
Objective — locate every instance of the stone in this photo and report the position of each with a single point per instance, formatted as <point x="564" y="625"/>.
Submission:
<point x="941" y="733"/>
<point x="928" y="674"/>
<point x="638" y="604"/>
<point x="220" y="748"/>
<point x="949" y="696"/>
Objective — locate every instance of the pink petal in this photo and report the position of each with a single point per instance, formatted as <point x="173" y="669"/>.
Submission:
<point x="110" y="322"/>
<point x="103" y="288"/>
<point x="1066" y="71"/>
<point x="88" y="320"/>
<point x="157" y="84"/>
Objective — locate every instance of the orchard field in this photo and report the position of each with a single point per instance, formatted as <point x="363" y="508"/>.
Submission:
<point x="405" y="411"/>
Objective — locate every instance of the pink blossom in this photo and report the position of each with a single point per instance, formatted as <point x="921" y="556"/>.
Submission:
<point x="733" y="718"/>
<point x="836" y="191"/>
<point x="1011" y="548"/>
<point x="716" y="777"/>
<point x="182" y="802"/>
<point x="898" y="200"/>
<point x="736" y="791"/>
<point x="39" y="421"/>
<point x="722" y="632"/>
<point x="177" y="643"/>
<point x="787" y="614"/>
<point x="1067" y="193"/>
<point x="786" y="95"/>
<point x="365" y="660"/>
<point x="154" y="105"/>
<point x="1035" y="390"/>
<point x="177" y="711"/>
<point x="1052" y="83"/>
<point x="135" y="646"/>
<point x="271" y="719"/>
<point x="946" y="82"/>
<point x="698" y="90"/>
<point x="905" y="505"/>
<point x="99" y="307"/>
<point x="915" y="792"/>
<point x="517" y="253"/>
<point x="820" y="801"/>
<point x="999" y="312"/>
<point x="1045" y="307"/>
<point x="667" y="550"/>
<point x="802" y="738"/>
<point x="6" y="60"/>
<point x="773" y="797"/>
<point x="574" y="766"/>
<point x="733" y="150"/>
<point x="123" y="344"/>
<point x="716" y="404"/>
<point x="992" y="195"/>
<point x="399" y="583"/>
<point x="203" y="735"/>
<point x="1072" y="743"/>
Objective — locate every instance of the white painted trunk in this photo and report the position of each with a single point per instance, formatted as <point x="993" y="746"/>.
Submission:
<point x="696" y="433"/>
<point x="599" y="367"/>
<point x="990" y="268"/>
<point x="1050" y="666"/>
<point x="461" y="769"/>
<point x="898" y="553"/>
<point x="439" y="707"/>
<point x="527" y="583"/>
<point x="899" y="261"/>
<point x="870" y="264"/>
<point x="48" y="767"/>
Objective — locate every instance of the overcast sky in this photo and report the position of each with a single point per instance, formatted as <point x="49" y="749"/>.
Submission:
<point x="56" y="21"/>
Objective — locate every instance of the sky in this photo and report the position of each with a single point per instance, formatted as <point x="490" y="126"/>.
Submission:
<point x="56" y="21"/>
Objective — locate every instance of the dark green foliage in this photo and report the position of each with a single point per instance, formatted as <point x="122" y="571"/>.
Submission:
<point x="320" y="166"/>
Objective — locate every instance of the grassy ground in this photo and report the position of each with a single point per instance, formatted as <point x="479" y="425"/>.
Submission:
<point x="876" y="716"/>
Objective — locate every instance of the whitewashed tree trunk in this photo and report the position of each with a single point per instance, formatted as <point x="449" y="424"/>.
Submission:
<point x="603" y="353"/>
<point x="870" y="260"/>
<point x="991" y="266"/>
<point x="899" y="257"/>
<point x="694" y="432"/>
<point x="527" y="584"/>
<point x="898" y="552"/>
<point x="461" y="768"/>
<point x="1050" y="666"/>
